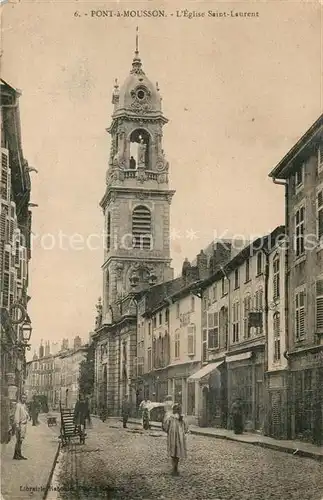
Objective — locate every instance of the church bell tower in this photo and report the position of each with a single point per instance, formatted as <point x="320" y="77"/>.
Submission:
<point x="137" y="200"/>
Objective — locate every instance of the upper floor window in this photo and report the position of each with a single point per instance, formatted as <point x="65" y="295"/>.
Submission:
<point x="166" y="315"/>
<point x="246" y="311"/>
<point x="149" y="359"/>
<point x="236" y="278"/>
<point x="204" y="344"/>
<point x="300" y="314"/>
<point x="276" y="277"/>
<point x="319" y="305"/>
<point x="109" y="231"/>
<point x="299" y="178"/>
<point x="299" y="231"/>
<point x="177" y="344"/>
<point x="259" y="263"/>
<point x="247" y="270"/>
<point x="141" y="228"/>
<point x="154" y="322"/>
<point x="178" y="310"/>
<point x="214" y="293"/>
<point x="276" y="328"/>
<point x="224" y="286"/>
<point x="320" y="158"/>
<point x="160" y="318"/>
<point x="192" y="304"/>
<point x="213" y="330"/>
<point x="149" y="328"/>
<point x="191" y="339"/>
<point x="235" y="321"/>
<point x="259" y="305"/>
<point x="319" y="209"/>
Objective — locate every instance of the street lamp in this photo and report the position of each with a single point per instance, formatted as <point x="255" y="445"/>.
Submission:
<point x="26" y="330"/>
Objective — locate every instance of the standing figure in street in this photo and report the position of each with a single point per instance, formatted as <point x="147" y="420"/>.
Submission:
<point x="237" y="416"/>
<point x="34" y="411"/>
<point x="176" y="427"/>
<point x="21" y="420"/>
<point x="81" y="415"/>
<point x="168" y="409"/>
<point x="125" y="411"/>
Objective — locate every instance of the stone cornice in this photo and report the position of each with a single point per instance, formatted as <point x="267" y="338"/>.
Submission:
<point x="149" y="193"/>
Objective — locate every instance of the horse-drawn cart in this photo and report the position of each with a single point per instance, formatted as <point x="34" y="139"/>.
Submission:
<point x="68" y="429"/>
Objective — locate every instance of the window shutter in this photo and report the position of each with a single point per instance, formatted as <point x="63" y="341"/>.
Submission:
<point x="4" y="176"/>
<point x="319" y="305"/>
<point x="191" y="340"/>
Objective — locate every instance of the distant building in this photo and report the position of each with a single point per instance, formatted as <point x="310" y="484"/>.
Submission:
<point x="56" y="375"/>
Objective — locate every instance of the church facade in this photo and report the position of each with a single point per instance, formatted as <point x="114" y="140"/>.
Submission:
<point x="136" y="208"/>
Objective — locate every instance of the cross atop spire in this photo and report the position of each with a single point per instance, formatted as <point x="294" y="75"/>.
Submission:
<point x="137" y="40"/>
<point x="136" y="63"/>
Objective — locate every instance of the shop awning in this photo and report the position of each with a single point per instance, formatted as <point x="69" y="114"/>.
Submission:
<point x="204" y="372"/>
<point x="239" y="357"/>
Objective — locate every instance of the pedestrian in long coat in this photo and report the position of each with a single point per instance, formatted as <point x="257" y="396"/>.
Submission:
<point x="34" y="411"/>
<point x="125" y="411"/>
<point x="176" y="427"/>
<point x="81" y="414"/>
<point x="21" y="421"/>
<point x="237" y="416"/>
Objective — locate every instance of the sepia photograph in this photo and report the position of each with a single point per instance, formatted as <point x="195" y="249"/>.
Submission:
<point x="161" y="267"/>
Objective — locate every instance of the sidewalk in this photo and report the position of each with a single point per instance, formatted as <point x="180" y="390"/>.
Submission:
<point x="295" y="447"/>
<point x="19" y="477"/>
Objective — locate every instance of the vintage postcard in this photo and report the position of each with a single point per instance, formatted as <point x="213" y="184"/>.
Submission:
<point x="161" y="267"/>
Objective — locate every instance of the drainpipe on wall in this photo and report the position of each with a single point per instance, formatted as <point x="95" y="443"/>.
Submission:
<point x="286" y="307"/>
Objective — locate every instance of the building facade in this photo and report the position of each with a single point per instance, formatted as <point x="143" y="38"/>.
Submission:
<point x="301" y="172"/>
<point x="276" y="424"/>
<point x="234" y="332"/>
<point x="136" y="207"/>
<point x="56" y="375"/>
<point x="15" y="226"/>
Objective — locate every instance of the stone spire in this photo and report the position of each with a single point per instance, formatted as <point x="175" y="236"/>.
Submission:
<point x="136" y="63"/>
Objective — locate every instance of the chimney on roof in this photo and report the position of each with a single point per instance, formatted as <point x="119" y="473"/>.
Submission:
<point x="41" y="350"/>
<point x="47" y="349"/>
<point x="221" y="255"/>
<point x="77" y="342"/>
<point x="64" y="345"/>
<point x="201" y="262"/>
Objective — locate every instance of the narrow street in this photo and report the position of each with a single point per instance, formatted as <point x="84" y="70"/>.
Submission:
<point x="118" y="464"/>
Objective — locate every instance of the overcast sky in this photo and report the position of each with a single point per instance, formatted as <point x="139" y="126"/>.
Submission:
<point x="238" y="93"/>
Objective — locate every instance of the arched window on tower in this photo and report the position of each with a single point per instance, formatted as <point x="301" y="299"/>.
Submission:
<point x="107" y="287"/>
<point x="109" y="231"/>
<point x="141" y="228"/>
<point x="139" y="149"/>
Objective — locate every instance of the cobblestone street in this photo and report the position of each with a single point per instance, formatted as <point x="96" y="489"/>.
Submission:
<point x="118" y="463"/>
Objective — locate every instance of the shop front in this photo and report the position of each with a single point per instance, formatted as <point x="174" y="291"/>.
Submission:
<point x="246" y="382"/>
<point x="209" y="388"/>
<point x="306" y="396"/>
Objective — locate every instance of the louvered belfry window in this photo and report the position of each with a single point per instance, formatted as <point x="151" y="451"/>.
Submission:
<point x="141" y="228"/>
<point x="319" y="305"/>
